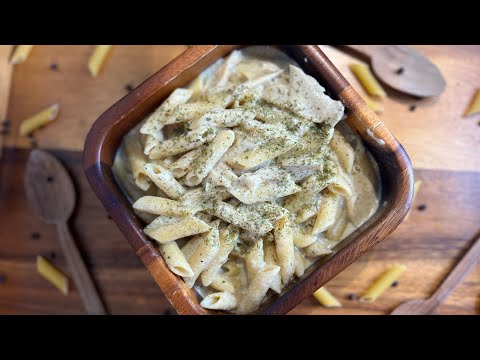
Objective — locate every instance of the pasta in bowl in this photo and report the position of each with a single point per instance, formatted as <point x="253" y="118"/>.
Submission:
<point x="247" y="177"/>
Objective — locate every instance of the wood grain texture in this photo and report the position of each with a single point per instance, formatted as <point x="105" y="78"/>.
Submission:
<point x="443" y="146"/>
<point x="82" y="98"/>
<point x="429" y="243"/>
<point x="465" y="265"/>
<point x="50" y="193"/>
<point x="434" y="134"/>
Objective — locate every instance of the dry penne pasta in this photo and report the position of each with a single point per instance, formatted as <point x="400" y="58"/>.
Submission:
<point x="255" y="175"/>
<point x="20" y="54"/>
<point x="372" y="104"/>
<point x="383" y="283"/>
<point x="474" y="106"/>
<point x="52" y="274"/>
<point x="39" y="119"/>
<point x="97" y="58"/>
<point x="325" y="298"/>
<point x="366" y="78"/>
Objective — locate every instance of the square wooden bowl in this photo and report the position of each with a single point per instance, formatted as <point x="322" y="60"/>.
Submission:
<point x="107" y="132"/>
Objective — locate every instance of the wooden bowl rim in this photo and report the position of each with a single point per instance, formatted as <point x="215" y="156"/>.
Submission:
<point x="181" y="298"/>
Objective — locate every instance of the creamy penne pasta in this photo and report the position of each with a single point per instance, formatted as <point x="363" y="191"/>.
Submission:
<point x="246" y="177"/>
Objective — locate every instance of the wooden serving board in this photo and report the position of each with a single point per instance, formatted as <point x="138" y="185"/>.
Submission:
<point x="444" y="148"/>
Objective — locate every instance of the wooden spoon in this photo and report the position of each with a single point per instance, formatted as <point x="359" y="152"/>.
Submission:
<point x="403" y="68"/>
<point x="51" y="195"/>
<point x="424" y="307"/>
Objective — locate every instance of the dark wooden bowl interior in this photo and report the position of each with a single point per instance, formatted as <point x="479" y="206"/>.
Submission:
<point x="107" y="132"/>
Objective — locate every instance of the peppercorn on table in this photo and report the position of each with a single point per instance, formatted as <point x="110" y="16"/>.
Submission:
<point x="442" y="144"/>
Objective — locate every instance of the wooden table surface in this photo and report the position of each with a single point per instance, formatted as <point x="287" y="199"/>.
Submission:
<point x="444" y="148"/>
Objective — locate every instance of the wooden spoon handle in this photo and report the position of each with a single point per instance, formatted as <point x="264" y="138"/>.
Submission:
<point x="83" y="280"/>
<point x="466" y="264"/>
<point x="368" y="51"/>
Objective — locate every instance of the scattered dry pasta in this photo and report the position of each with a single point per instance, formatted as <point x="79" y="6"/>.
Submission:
<point x="97" y="58"/>
<point x="39" y="119"/>
<point x="52" y="274"/>
<point x="383" y="283"/>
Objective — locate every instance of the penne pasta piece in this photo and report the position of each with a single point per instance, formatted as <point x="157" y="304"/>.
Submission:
<point x="271" y="260"/>
<point x="205" y="253"/>
<point x="474" y="106"/>
<point x="183" y="143"/>
<point x="302" y="240"/>
<point x="222" y="283"/>
<point x="228" y="240"/>
<point x="365" y="77"/>
<point x="137" y="161"/>
<point x="162" y="220"/>
<point x="97" y="59"/>
<point x="159" y="118"/>
<point x="284" y="248"/>
<point x="39" y="119"/>
<point x="184" y="227"/>
<point x="180" y="167"/>
<point x="161" y="206"/>
<point x="300" y="264"/>
<point x="191" y="245"/>
<point x="325" y="298"/>
<point x="264" y="152"/>
<point x="344" y="152"/>
<point x="383" y="283"/>
<point x="341" y="185"/>
<point x="52" y="274"/>
<point x="192" y="111"/>
<point x="257" y="289"/>
<point x="327" y="214"/>
<point x="219" y="301"/>
<point x="208" y="158"/>
<point x="175" y="259"/>
<point x="164" y="180"/>
<point x="242" y="217"/>
<point x="223" y="118"/>
<point x="316" y="249"/>
<point x="336" y="231"/>
<point x="20" y="54"/>
<point x="255" y="259"/>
